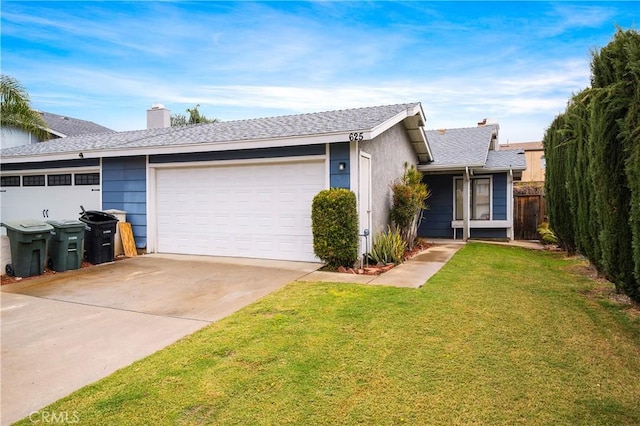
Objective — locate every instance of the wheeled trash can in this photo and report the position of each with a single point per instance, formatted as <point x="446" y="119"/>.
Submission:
<point x="99" y="232"/>
<point x="28" y="241"/>
<point x="65" y="245"/>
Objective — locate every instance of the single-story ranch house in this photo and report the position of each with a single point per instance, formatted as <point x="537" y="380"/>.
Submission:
<point x="244" y="188"/>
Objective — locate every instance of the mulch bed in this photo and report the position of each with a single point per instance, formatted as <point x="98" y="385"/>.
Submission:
<point x="380" y="268"/>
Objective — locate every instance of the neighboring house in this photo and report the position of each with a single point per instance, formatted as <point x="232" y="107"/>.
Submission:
<point x="534" y="154"/>
<point x="237" y="188"/>
<point x="58" y="126"/>
<point x="471" y="183"/>
<point x="244" y="188"/>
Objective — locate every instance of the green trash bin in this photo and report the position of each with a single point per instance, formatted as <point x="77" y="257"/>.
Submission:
<point x="65" y="245"/>
<point x="28" y="241"/>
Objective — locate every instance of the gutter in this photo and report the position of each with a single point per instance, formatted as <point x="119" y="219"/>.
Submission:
<point x="453" y="168"/>
<point x="125" y="149"/>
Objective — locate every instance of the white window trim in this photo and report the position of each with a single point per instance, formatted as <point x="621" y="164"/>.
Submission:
<point x="474" y="223"/>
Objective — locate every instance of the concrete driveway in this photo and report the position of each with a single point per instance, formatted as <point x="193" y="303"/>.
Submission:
<point x="64" y="331"/>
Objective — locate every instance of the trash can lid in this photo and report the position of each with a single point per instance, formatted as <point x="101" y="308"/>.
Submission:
<point x="95" y="216"/>
<point x="66" y="223"/>
<point x="27" y="226"/>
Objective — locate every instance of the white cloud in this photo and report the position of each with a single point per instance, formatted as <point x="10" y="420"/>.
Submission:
<point x="242" y="60"/>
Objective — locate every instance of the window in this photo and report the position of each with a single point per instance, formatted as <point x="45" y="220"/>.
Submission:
<point x="87" y="178"/>
<point x="35" y="180"/>
<point x="59" y="180"/>
<point x="10" y="181"/>
<point x="543" y="163"/>
<point x="480" y="200"/>
<point x="459" y="197"/>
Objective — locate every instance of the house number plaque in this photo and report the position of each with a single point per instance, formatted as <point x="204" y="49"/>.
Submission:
<point x="356" y="136"/>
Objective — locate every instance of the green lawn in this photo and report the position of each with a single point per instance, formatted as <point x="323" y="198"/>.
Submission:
<point x="500" y="335"/>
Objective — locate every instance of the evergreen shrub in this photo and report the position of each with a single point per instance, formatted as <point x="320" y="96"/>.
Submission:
<point x="334" y="218"/>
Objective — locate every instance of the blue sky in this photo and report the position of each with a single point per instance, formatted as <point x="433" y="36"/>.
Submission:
<point x="516" y="63"/>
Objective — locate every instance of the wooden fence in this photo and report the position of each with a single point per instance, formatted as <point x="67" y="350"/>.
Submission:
<point x="529" y="211"/>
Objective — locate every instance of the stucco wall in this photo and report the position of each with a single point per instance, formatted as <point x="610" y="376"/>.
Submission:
<point x="389" y="152"/>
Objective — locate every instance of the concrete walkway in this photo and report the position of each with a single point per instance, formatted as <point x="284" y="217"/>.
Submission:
<point x="415" y="272"/>
<point x="412" y="274"/>
<point x="528" y="244"/>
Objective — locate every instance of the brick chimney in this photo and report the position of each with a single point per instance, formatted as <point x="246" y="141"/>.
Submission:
<point x="158" y="117"/>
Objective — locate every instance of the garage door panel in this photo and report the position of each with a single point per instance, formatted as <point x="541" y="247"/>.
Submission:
<point x="61" y="202"/>
<point x="257" y="210"/>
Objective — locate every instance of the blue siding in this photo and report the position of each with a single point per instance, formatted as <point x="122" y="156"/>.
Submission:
<point x="339" y="153"/>
<point x="500" y="196"/>
<point x="124" y="187"/>
<point x="244" y="154"/>
<point x="436" y="220"/>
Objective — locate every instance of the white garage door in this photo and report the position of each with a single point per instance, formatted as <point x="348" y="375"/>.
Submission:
<point x="48" y="196"/>
<point x="255" y="210"/>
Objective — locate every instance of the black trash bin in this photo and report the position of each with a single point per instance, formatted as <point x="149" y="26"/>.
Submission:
<point x="99" y="233"/>
<point x="65" y="245"/>
<point x="28" y="241"/>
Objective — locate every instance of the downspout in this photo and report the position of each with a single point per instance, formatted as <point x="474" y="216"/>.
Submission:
<point x="465" y="204"/>
<point x="510" y="230"/>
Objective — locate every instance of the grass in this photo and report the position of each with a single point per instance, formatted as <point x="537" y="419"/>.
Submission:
<point x="500" y="335"/>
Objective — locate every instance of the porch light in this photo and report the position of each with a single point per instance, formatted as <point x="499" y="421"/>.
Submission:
<point x="342" y="166"/>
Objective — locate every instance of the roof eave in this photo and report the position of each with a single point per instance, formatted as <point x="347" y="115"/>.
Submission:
<point x="54" y="132"/>
<point x="501" y="169"/>
<point x="124" y="151"/>
<point x="448" y="168"/>
<point x="414" y="121"/>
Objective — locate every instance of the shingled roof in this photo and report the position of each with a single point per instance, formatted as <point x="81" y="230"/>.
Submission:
<point x="321" y="127"/>
<point x="456" y="149"/>
<point x="504" y="160"/>
<point x="63" y="126"/>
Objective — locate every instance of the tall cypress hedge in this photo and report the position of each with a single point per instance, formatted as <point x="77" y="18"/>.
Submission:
<point x="630" y="132"/>
<point x="556" y="183"/>
<point x="582" y="197"/>
<point x="593" y="165"/>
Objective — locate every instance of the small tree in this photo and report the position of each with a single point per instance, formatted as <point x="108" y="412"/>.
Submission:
<point x="334" y="218"/>
<point x="409" y="196"/>
<point x="194" y="118"/>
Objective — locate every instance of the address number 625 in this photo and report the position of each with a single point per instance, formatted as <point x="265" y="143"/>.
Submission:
<point x="356" y="136"/>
